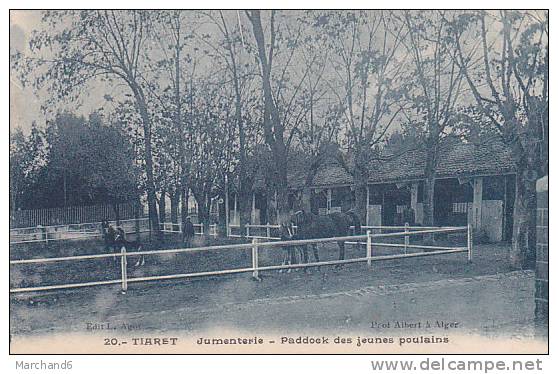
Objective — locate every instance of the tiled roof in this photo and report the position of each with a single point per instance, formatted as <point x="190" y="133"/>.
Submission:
<point x="332" y="174"/>
<point x="455" y="160"/>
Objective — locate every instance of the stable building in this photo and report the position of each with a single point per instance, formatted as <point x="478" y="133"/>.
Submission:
<point x="475" y="183"/>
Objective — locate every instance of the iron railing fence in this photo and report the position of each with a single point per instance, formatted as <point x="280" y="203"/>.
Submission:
<point x="74" y="214"/>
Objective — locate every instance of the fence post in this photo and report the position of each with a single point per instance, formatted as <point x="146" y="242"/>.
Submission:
<point x="406" y="236"/>
<point x="255" y="273"/>
<point x="124" y="263"/>
<point x="247" y="231"/>
<point x="268" y="230"/>
<point x="469" y="243"/>
<point x="369" y="247"/>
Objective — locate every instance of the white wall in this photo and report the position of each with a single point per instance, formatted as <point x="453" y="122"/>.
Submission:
<point x="419" y="214"/>
<point x="492" y="215"/>
<point x="374" y="215"/>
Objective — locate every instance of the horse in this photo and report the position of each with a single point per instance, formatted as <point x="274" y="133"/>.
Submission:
<point x="120" y="241"/>
<point x="109" y="237"/>
<point x="291" y="254"/>
<point x="312" y="226"/>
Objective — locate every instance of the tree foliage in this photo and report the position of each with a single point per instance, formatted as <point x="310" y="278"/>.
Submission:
<point x="75" y="161"/>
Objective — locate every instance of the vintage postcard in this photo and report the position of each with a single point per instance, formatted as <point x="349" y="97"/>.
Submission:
<point x="279" y="181"/>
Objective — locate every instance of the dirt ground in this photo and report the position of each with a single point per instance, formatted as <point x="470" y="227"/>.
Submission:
<point x="484" y="297"/>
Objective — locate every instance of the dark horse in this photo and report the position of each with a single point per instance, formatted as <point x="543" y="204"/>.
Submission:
<point x="109" y="237"/>
<point x="130" y="246"/>
<point x="312" y="226"/>
<point x="116" y="239"/>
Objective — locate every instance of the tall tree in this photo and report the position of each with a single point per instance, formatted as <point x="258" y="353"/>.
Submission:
<point x="174" y="31"/>
<point x="233" y="50"/>
<point x="509" y="80"/>
<point x="438" y="84"/>
<point x="274" y="127"/>
<point x="282" y="91"/>
<point x="211" y="144"/>
<point x="103" y="44"/>
<point x="366" y="71"/>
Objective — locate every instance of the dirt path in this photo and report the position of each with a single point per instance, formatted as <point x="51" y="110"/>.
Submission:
<point x="496" y="307"/>
<point x="477" y="295"/>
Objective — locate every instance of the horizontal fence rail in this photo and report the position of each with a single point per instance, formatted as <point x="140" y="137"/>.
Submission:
<point x="89" y="230"/>
<point x="255" y="246"/>
<point x="170" y="227"/>
<point x="79" y="231"/>
<point x="77" y="226"/>
<point x="176" y="228"/>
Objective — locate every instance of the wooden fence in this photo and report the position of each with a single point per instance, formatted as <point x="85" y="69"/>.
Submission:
<point x="73" y="214"/>
<point x="370" y="239"/>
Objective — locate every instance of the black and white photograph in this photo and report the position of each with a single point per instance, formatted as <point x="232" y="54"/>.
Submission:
<point x="276" y="181"/>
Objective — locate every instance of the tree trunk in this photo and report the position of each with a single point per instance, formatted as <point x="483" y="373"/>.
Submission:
<point x="429" y="182"/>
<point x="183" y="194"/>
<point x="184" y="206"/>
<point x="175" y="201"/>
<point x="280" y="157"/>
<point x="163" y="207"/>
<point x="306" y="203"/>
<point x="523" y="250"/>
<point x="222" y="231"/>
<point x="137" y="206"/>
<point x="243" y="202"/>
<point x="205" y="208"/>
<point x="203" y="202"/>
<point x="282" y="204"/>
<point x="428" y="202"/>
<point x="244" y="206"/>
<point x="150" y="184"/>
<point x="360" y="176"/>
<point x="271" y="206"/>
<point x="273" y="127"/>
<point x="306" y="198"/>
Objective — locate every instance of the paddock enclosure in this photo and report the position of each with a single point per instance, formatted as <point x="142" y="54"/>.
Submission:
<point x="33" y="271"/>
<point x="81" y="231"/>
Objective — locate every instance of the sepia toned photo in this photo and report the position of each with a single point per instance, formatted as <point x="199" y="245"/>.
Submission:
<point x="278" y="181"/>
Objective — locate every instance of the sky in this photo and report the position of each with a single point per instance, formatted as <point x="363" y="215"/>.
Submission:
<point x="25" y="104"/>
